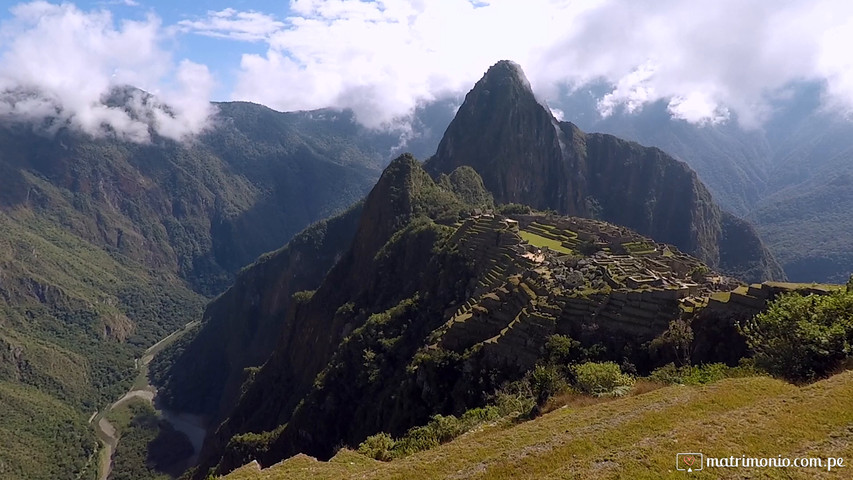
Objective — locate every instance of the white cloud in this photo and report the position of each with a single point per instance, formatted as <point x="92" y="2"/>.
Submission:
<point x="383" y="58"/>
<point x="58" y="64"/>
<point x="557" y="113"/>
<point x="708" y="60"/>
<point x="229" y="23"/>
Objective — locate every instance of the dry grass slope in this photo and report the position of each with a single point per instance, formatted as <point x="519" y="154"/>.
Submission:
<point x="635" y="437"/>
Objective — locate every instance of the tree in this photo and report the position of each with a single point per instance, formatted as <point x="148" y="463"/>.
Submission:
<point x="678" y="338"/>
<point x="802" y="338"/>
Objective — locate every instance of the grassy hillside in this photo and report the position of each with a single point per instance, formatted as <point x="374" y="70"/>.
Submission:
<point x="636" y="437"/>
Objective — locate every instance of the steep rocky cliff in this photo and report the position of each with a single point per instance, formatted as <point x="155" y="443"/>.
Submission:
<point x="241" y="326"/>
<point x="526" y="156"/>
<point x="396" y="261"/>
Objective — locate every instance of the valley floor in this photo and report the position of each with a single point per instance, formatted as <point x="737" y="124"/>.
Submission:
<point x="636" y="437"/>
<point x="107" y="434"/>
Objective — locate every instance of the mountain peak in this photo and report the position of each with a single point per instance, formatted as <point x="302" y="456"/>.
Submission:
<point x="512" y="141"/>
<point x="524" y="155"/>
<point x="503" y="80"/>
<point x="506" y="72"/>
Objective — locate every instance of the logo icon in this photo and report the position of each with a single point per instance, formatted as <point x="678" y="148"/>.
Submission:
<point x="689" y="462"/>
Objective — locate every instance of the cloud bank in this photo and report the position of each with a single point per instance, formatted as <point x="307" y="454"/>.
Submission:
<point x="60" y="65"/>
<point x="706" y="59"/>
<point x="709" y="61"/>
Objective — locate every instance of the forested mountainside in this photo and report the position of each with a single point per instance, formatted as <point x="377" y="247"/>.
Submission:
<point x="107" y="245"/>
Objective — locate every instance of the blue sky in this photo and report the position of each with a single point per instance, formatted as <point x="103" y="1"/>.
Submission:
<point x="222" y="56"/>
<point x="382" y="58"/>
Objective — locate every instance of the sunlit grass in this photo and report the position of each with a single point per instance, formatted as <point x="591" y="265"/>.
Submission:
<point x="633" y="437"/>
<point x="542" y="242"/>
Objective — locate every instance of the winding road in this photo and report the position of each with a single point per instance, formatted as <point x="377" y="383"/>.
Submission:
<point x="191" y="425"/>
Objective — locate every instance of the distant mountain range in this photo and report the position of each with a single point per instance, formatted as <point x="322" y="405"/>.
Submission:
<point x="108" y="245"/>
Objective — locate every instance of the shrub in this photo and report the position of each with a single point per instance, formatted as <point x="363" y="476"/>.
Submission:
<point x="513" y="208"/>
<point x="378" y="447"/>
<point x="545" y="381"/>
<point x="303" y="296"/>
<point x="801" y="338"/>
<point x="677" y="339"/>
<point x="701" y="374"/>
<point x="561" y="350"/>
<point x="514" y="398"/>
<point x="602" y="379"/>
<point x="440" y="429"/>
<point x="477" y="416"/>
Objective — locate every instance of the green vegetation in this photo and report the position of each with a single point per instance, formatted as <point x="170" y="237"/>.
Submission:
<point x="42" y="437"/>
<point x="107" y="246"/>
<point x="468" y="187"/>
<point x="74" y="317"/>
<point x="803" y="337"/>
<point x="542" y="242"/>
<point x="677" y="340"/>
<point x="602" y="379"/>
<point x="148" y="446"/>
<point x="630" y="437"/>
<point x="701" y="374"/>
<point x="639" y="248"/>
<point x="440" y="429"/>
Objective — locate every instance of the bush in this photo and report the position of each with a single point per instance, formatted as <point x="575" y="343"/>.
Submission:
<point x="561" y="350"/>
<point x="701" y="374"/>
<point x="677" y="339"/>
<point x="378" y="447"/>
<point x="514" y="398"/>
<point x="477" y="416"/>
<point x="513" y="209"/>
<point x="440" y="429"/>
<point x="802" y="338"/>
<point x="602" y="379"/>
<point x="545" y="382"/>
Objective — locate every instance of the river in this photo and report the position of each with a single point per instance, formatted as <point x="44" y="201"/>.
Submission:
<point x="192" y="426"/>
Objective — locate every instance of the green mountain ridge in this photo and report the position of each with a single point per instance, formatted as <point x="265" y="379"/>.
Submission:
<point x="108" y="246"/>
